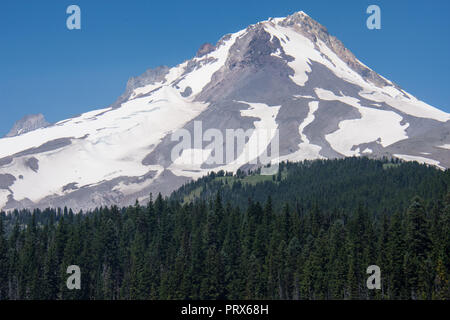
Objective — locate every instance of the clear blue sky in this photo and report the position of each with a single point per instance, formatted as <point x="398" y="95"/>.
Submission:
<point x="45" y="68"/>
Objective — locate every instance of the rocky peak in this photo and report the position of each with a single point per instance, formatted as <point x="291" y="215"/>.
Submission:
<point x="28" y="123"/>
<point x="150" y="76"/>
<point x="205" y="49"/>
<point x="313" y="30"/>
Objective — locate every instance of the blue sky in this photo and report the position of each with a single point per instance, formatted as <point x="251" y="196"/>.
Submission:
<point x="45" y="68"/>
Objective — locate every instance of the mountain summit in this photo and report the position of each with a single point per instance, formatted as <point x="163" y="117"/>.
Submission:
<point x="28" y="123"/>
<point x="285" y="74"/>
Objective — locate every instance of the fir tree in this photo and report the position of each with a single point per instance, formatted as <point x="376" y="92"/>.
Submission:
<point x="418" y="243"/>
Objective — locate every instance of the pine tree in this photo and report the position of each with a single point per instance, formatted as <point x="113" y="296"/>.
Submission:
<point x="51" y="286"/>
<point x="231" y="253"/>
<point x="273" y="265"/>
<point x="445" y="238"/>
<point x="418" y="244"/>
<point x="441" y="282"/>
<point x="138" y="287"/>
<point x="395" y="255"/>
<point x="337" y="266"/>
<point x="292" y="265"/>
<point x="29" y="272"/>
<point x="357" y="241"/>
<point x="281" y="272"/>
<point x="15" y="247"/>
<point x="4" y="276"/>
<point x="212" y="285"/>
<point x="382" y="256"/>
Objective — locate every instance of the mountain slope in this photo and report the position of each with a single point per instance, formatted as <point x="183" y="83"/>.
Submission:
<point x="287" y="75"/>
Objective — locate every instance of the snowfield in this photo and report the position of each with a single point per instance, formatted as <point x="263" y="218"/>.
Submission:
<point x="259" y="139"/>
<point x="411" y="105"/>
<point x="200" y="77"/>
<point x="105" y="144"/>
<point x="303" y="50"/>
<point x="383" y="127"/>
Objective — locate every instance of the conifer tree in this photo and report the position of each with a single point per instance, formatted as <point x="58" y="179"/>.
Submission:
<point x="4" y="276"/>
<point x="417" y="246"/>
<point x="51" y="286"/>
<point x="395" y="255"/>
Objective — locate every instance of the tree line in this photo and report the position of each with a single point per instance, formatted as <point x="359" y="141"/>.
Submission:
<point x="221" y="247"/>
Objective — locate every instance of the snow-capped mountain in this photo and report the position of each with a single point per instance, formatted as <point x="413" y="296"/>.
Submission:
<point x="287" y="74"/>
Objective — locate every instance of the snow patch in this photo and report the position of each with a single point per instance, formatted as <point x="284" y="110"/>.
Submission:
<point x="419" y="160"/>
<point x="307" y="151"/>
<point x="276" y="53"/>
<point x="299" y="47"/>
<point x="4" y="196"/>
<point x="298" y="96"/>
<point x="410" y="106"/>
<point x="200" y="77"/>
<point x="375" y="125"/>
<point x="263" y="133"/>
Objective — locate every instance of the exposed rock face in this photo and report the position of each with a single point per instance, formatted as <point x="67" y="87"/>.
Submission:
<point x="28" y="123"/>
<point x="284" y="73"/>
<point x="6" y="180"/>
<point x="205" y="49"/>
<point x="150" y="76"/>
<point x="313" y="30"/>
<point x="33" y="164"/>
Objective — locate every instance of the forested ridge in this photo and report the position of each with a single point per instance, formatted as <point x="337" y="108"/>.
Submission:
<point x="309" y="232"/>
